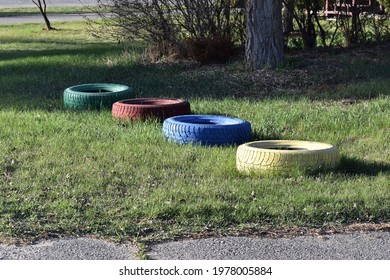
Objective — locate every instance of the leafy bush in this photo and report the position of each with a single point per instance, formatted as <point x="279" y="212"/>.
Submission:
<point x="385" y="4"/>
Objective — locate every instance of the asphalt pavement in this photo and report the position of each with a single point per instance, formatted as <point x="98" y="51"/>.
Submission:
<point x="353" y="246"/>
<point x="50" y="3"/>
<point x="52" y="17"/>
<point x="350" y="246"/>
<point x="69" y="249"/>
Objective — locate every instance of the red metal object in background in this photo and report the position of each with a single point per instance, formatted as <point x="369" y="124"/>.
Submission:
<point x="346" y="7"/>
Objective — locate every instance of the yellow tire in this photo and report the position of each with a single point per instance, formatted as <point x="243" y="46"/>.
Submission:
<point x="285" y="156"/>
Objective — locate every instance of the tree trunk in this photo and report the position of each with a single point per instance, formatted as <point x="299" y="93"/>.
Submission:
<point x="42" y="8"/>
<point x="264" y="45"/>
<point x="288" y="20"/>
<point x="288" y="17"/>
<point x="310" y="37"/>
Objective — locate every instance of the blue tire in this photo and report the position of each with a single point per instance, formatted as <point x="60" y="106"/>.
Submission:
<point x="207" y="130"/>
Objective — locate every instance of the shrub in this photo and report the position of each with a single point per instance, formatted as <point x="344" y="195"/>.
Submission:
<point x="177" y="27"/>
<point x="217" y="49"/>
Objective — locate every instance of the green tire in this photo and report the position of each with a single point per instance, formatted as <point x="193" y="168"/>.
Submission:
<point x="95" y="96"/>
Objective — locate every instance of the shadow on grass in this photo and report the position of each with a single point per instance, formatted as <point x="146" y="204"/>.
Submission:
<point x="7" y="55"/>
<point x="36" y="79"/>
<point x="353" y="166"/>
<point x="34" y="48"/>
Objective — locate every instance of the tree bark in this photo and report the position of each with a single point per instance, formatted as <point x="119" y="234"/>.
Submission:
<point x="42" y="8"/>
<point x="264" y="45"/>
<point x="288" y="17"/>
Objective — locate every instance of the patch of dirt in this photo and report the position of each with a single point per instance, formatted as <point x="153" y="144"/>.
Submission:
<point x="291" y="232"/>
<point x="304" y="72"/>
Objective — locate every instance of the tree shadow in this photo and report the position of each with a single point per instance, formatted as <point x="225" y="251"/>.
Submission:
<point x="40" y="85"/>
<point x="353" y="166"/>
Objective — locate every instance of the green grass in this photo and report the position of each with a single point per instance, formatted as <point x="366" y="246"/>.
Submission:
<point x="75" y="173"/>
<point x="7" y="12"/>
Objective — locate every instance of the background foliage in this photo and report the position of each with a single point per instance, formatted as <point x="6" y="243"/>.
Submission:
<point x="210" y="31"/>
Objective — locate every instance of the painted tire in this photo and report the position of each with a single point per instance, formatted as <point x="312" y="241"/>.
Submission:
<point x="95" y="96"/>
<point x="285" y="156"/>
<point x="207" y="130"/>
<point x="143" y="108"/>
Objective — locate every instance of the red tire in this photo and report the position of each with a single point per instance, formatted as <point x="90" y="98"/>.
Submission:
<point x="144" y="108"/>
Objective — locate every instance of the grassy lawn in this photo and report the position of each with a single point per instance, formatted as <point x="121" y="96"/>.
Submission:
<point x="6" y="12"/>
<point x="78" y="173"/>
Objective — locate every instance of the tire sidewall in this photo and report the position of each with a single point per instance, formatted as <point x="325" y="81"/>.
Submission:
<point x="224" y="130"/>
<point x="252" y="159"/>
<point x="78" y="97"/>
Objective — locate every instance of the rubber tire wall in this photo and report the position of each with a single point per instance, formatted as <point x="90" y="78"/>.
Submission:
<point x="143" y="108"/>
<point x="207" y="130"/>
<point x="95" y="96"/>
<point x="285" y="156"/>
